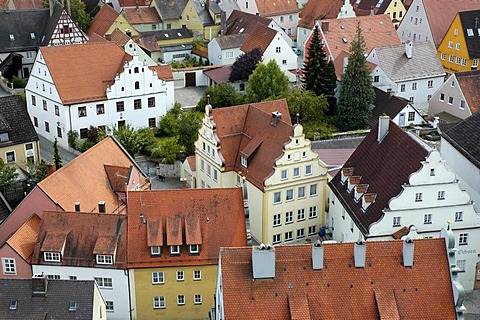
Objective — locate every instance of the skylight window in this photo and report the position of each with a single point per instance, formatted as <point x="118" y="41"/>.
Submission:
<point x="32" y="36"/>
<point x="179" y="34"/>
<point x="166" y="35"/>
<point x="379" y="3"/>
<point x="470" y="32"/>
<point x="12" y="37"/>
<point x="73" y="306"/>
<point x="13" y="305"/>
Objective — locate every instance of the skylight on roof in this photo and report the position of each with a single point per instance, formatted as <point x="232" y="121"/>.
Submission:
<point x="72" y="306"/>
<point x="166" y="35"/>
<point x="470" y="32"/>
<point x="179" y="34"/>
<point x="32" y="36"/>
<point x="241" y="30"/>
<point x="379" y="3"/>
<point x="12" y="37"/>
<point x="13" y="305"/>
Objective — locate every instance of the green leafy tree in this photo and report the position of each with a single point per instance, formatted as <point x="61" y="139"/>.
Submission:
<point x="266" y="81"/>
<point x="244" y="65"/>
<point x="79" y="15"/>
<point x="221" y="95"/>
<point x="356" y="91"/>
<point x="56" y="155"/>
<point x="188" y="126"/>
<point x="37" y="171"/>
<point x="8" y="175"/>
<point x="168" y="149"/>
<point x="146" y="139"/>
<point x="318" y="73"/>
<point x="169" y="122"/>
<point x="72" y="137"/>
<point x="128" y="137"/>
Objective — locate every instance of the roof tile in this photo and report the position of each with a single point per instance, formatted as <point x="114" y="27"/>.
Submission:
<point x="103" y="20"/>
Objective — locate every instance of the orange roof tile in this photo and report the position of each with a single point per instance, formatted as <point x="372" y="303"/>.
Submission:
<point x="142" y="15"/>
<point x="154" y="233"/>
<point x="193" y="231"/>
<point x="384" y="288"/>
<point x="24" y="239"/>
<point x="103" y="20"/>
<point x="73" y="183"/>
<point x="164" y="71"/>
<point x="469" y="82"/>
<point x="315" y="10"/>
<point x="88" y="234"/>
<point x="191" y="163"/>
<point x="54" y="241"/>
<point x="119" y="37"/>
<point x="133" y="3"/>
<point x="220" y="216"/>
<point x="260" y="37"/>
<point x="96" y="38"/>
<point x="117" y="177"/>
<point x="269" y="8"/>
<point x="106" y="58"/>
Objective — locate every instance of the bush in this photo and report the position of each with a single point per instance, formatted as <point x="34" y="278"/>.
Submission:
<point x="18" y="82"/>
<point x="168" y="150"/>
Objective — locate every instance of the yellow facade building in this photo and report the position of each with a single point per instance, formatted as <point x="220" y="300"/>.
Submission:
<point x="202" y="18"/>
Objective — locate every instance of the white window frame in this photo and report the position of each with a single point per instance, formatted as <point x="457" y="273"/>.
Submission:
<point x="463" y="239"/>
<point x="9" y="266"/>
<point x="181" y="299"/>
<point x="312" y="212"/>
<point x="458" y="216"/>
<point x="289" y="195"/>
<point x="288" y="217"/>
<point x="197" y="299"/>
<point x="296" y="172"/>
<point x="288" y="236"/>
<point x="301" y="233"/>
<point x="427" y="218"/>
<point x="441" y="195"/>
<point x="301" y="194"/>
<point x="7" y="156"/>
<point x="277" y="197"/>
<point x="109" y="306"/>
<point x="104" y="258"/>
<point x="197" y="275"/>
<point x="175" y="249"/>
<point x="194" y="248"/>
<point x="180" y="275"/>
<point x="158" y="277"/>
<point x="418" y="197"/>
<point x="430" y="83"/>
<point x="229" y="54"/>
<point x="316" y="190"/>
<point x="277" y="238"/>
<point x="244" y="161"/>
<point x="277" y="219"/>
<point x="461" y="265"/>
<point x="155" y="250"/>
<point x="284" y="175"/>
<point x="301" y="214"/>
<point x="159" y="302"/>
<point x="49" y="256"/>
<point x="104" y="282"/>
<point x="308" y="169"/>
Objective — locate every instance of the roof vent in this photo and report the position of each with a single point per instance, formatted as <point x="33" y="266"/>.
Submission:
<point x="359" y="253"/>
<point x="32" y="36"/>
<point x="12" y="37"/>
<point x="101" y="207"/>
<point x="276" y="116"/>
<point x="409" y="49"/>
<point x="77" y="206"/>
<point x="344" y="40"/>
<point x="317" y="255"/>
<point x="263" y="261"/>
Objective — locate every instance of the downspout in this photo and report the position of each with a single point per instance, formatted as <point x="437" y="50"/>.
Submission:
<point x="70" y="120"/>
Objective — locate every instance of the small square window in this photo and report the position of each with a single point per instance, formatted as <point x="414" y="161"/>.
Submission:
<point x="308" y="169"/>
<point x="312" y="230"/>
<point x="175" y="249"/>
<point x="120" y="106"/>
<point x="137" y="104"/>
<point x="288" y="236"/>
<point x="159" y="302"/>
<point x="463" y="239"/>
<point x="301" y="192"/>
<point x="197" y="275"/>
<point x="82" y="112"/>
<point x="301" y="214"/>
<point x="109" y="306"/>
<point x="100" y="108"/>
<point x="9" y="266"/>
<point x="181" y="300"/>
<point x="13" y="305"/>
<point x="441" y="195"/>
<point x="194" y="248"/>
<point x="278" y="50"/>
<point x="10" y="156"/>
<point x="155" y="250"/>
<point x="276" y="238"/>
<point x="277" y="219"/>
<point x="151" y="102"/>
<point x="180" y="276"/>
<point x="300" y="233"/>
<point x="72" y="306"/>
<point x="197" y="299"/>
<point x="461" y="265"/>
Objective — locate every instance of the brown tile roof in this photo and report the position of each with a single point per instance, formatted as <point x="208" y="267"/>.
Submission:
<point x="200" y="52"/>
<point x="440" y="14"/>
<point x="142" y="15"/>
<point x="88" y="234"/>
<point x="164" y="71"/>
<point x="96" y="38"/>
<point x="239" y="20"/>
<point x="366" y="5"/>
<point x="219" y="74"/>
<point x="24" y="239"/>
<point x="261" y="37"/>
<point x="54" y="241"/>
<point x="377" y="30"/>
<point x="133" y="3"/>
<point x="469" y="82"/>
<point x="73" y="183"/>
<point x="118" y="37"/>
<point x="385" y="167"/>
<point x="238" y="125"/>
<point x="268" y="8"/>
<point x="149" y="43"/>
<point x="401" y="232"/>
<point x="103" y="20"/>
<point x="315" y="10"/>
<point x="117" y="177"/>
<point x="154" y="233"/>
<point x="213" y="216"/>
<point x="106" y="58"/>
<point x="340" y="291"/>
<point x="339" y="61"/>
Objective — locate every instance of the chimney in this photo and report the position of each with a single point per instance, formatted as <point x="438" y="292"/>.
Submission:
<point x="325" y="26"/>
<point x="223" y="22"/>
<point x="383" y="123"/>
<point x="50" y="168"/>
<point x="128" y="32"/>
<point x="276" y="116"/>
<point x="39" y="285"/>
<point x="263" y="261"/>
<point x="317" y="255"/>
<point x="77" y="206"/>
<point x="408" y="249"/>
<point x="408" y="49"/>
<point x="359" y="253"/>
<point x="101" y="207"/>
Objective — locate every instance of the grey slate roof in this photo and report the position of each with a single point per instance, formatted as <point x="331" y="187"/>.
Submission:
<point x="15" y="120"/>
<point x="170" y="9"/>
<point x="203" y="13"/>
<point x="54" y="305"/>
<point x="423" y="64"/>
<point x="343" y="143"/>
<point x="467" y="19"/>
<point x="231" y="41"/>
<point x="228" y="6"/>
<point x="464" y="137"/>
<point x="168" y="34"/>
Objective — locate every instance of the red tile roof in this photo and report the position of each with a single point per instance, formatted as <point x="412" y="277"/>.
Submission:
<point x="27" y="4"/>
<point x="133" y="3"/>
<point x="269" y="8"/>
<point x="384" y="166"/>
<point x="212" y="218"/>
<point x="96" y="38"/>
<point x="118" y="37"/>
<point x="88" y="234"/>
<point x="103" y="20"/>
<point x="73" y="86"/>
<point x="24" y="239"/>
<point x="243" y="22"/>
<point x="261" y="37"/>
<point x="315" y="10"/>
<point x="164" y="71"/>
<point x="469" y="83"/>
<point x="238" y="125"/>
<point x="142" y="15"/>
<point x="191" y="163"/>
<point x="383" y="289"/>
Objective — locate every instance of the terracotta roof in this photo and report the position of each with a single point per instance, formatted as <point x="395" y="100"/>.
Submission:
<point x="117" y="177"/>
<point x="191" y="163"/>
<point x="261" y="37"/>
<point x="154" y="233"/>
<point x="164" y="71"/>
<point x="385" y="178"/>
<point x="377" y="30"/>
<point x="96" y="38"/>
<point x="133" y="3"/>
<point x="238" y="125"/>
<point x="106" y="58"/>
<point x="103" y="20"/>
<point x="469" y="82"/>
<point x="117" y="36"/>
<point x="243" y="22"/>
<point x="142" y="15"/>
<point x="383" y="289"/>
<point x="88" y="234"/>
<point x="315" y="10"/>
<point x="24" y="239"/>
<point x="400" y="233"/>
<point x="268" y="8"/>
<point x="440" y="14"/>
<point x="89" y="186"/>
<point x="213" y="217"/>
<point x="149" y="43"/>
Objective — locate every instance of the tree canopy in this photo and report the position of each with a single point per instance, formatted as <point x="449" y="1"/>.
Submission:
<point x="243" y="67"/>
<point x="356" y="91"/>
<point x="8" y="175"/>
<point x="266" y="81"/>
<point x="220" y="96"/>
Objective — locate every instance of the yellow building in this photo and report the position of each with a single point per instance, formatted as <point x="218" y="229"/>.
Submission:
<point x="396" y="10"/>
<point x="174" y="239"/>
<point x="202" y="18"/>
<point x="459" y="49"/>
<point x="107" y="20"/>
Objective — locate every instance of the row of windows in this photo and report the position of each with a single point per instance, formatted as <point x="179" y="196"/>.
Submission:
<point x="277" y="218"/>
<point x="282" y="18"/>
<point x="427" y="219"/>
<point x="451" y="101"/>
<point x="440" y="194"/>
<point x="414" y="86"/>
<point x="277" y="196"/>
<point x="288" y="236"/>
<point x="209" y="170"/>
<point x="49" y="256"/>
<point x="159" y="277"/>
<point x="206" y="148"/>
<point x="458" y="60"/>
<point x="159" y="302"/>
<point x="415" y="35"/>
<point x="296" y="172"/>
<point x="174" y="250"/>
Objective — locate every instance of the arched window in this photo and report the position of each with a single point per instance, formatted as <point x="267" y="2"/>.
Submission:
<point x="137" y="85"/>
<point x="135" y="70"/>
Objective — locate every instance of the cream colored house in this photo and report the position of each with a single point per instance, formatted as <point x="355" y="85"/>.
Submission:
<point x="257" y="147"/>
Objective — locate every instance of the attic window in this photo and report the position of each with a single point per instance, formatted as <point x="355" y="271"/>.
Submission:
<point x="13" y="305"/>
<point x="179" y="34"/>
<point x="241" y="30"/>
<point x="73" y="306"/>
<point x="12" y="37"/>
<point x="244" y="161"/>
<point x="166" y="35"/>
<point x="194" y="248"/>
<point x="104" y="259"/>
<point x="470" y="32"/>
<point x="51" y="256"/>
<point x="155" y="251"/>
<point x="32" y="36"/>
<point x="175" y="249"/>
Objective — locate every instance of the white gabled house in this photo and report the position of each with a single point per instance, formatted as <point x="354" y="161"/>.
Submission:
<point x="225" y="49"/>
<point x="97" y="84"/>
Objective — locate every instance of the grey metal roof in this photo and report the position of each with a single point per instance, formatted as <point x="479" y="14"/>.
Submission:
<point x="170" y="9"/>
<point x="471" y="25"/>
<point x="169" y="34"/>
<point x="228" y="6"/>
<point x="230" y="41"/>
<point x="13" y="114"/>
<point x="423" y="64"/>
<point x="339" y="143"/>
<point x="54" y="305"/>
<point x="202" y="12"/>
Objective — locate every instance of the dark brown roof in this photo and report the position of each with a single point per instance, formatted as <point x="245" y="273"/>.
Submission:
<point x="470" y="20"/>
<point x="238" y="125"/>
<point x="211" y="218"/>
<point x="220" y="74"/>
<point x="367" y="5"/>
<point x="261" y="37"/>
<point x="242" y="22"/>
<point x="385" y="167"/>
<point x="383" y="289"/>
<point x="319" y="10"/>
<point x="83" y="235"/>
<point x="469" y="82"/>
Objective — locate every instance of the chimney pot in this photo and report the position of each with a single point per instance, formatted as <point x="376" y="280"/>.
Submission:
<point x="263" y="261"/>
<point x="77" y="206"/>
<point x="276" y="116"/>
<point x="408" y="251"/>
<point x="383" y="123"/>
<point x="128" y="32"/>
<point x="359" y="253"/>
<point x="409" y="49"/>
<point x="101" y="207"/>
<point x="317" y="255"/>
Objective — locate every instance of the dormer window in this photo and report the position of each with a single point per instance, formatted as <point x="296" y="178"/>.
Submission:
<point x="72" y="306"/>
<point x="244" y="161"/>
<point x="155" y="251"/>
<point x="51" y="256"/>
<point x="104" y="259"/>
<point x="13" y="304"/>
<point x="12" y="37"/>
<point x="194" y="248"/>
<point x="175" y="249"/>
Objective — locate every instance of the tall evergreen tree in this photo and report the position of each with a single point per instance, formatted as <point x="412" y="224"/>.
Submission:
<point x="356" y="91"/>
<point x="318" y="73"/>
<point x="56" y="155"/>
